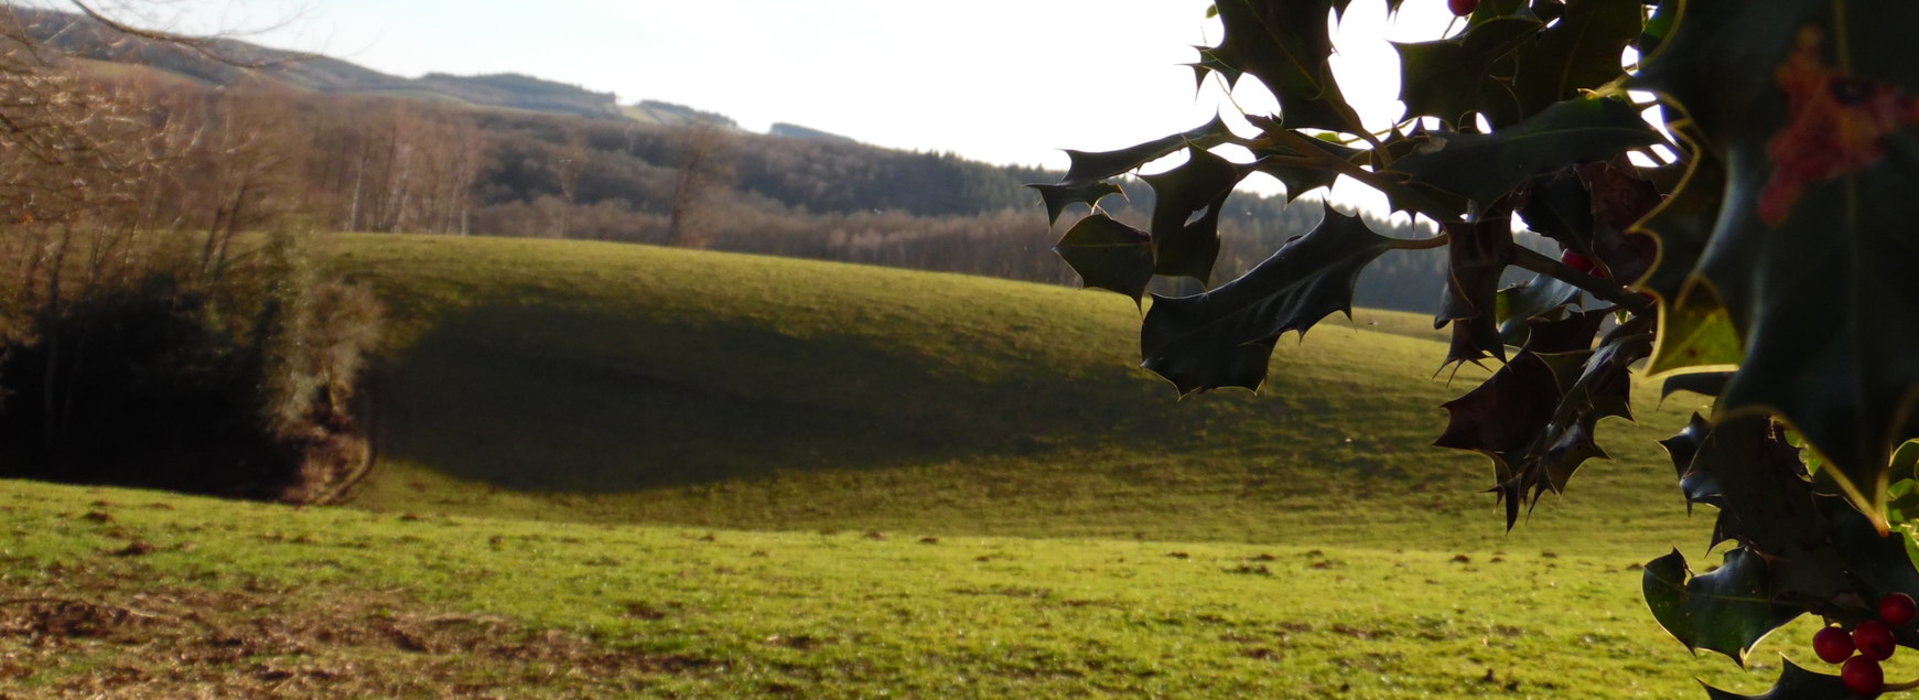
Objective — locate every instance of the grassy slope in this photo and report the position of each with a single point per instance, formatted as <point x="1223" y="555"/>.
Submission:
<point x="244" y="600"/>
<point x="764" y="415"/>
<point x="633" y="384"/>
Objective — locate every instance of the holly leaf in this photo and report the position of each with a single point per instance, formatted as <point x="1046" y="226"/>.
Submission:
<point x="1695" y="329"/>
<point x="1225" y="337"/>
<point x="1186" y="206"/>
<point x="1109" y="255"/>
<point x="1794" y="683"/>
<point x="1766" y="493"/>
<point x="1484" y="167"/>
<point x="1092" y="166"/>
<point x="1286" y="45"/>
<point x="1811" y="252"/>
<point x="1620" y="199"/>
<point x="1281" y="161"/>
<point x="1451" y="78"/>
<point x="1704" y="383"/>
<point x="1578" y="52"/>
<point x="1558" y="205"/>
<point x="1480" y="252"/>
<point x="1726" y="610"/>
<point x="1543" y="296"/>
<point x="1534" y="418"/>
<point x="1059" y="197"/>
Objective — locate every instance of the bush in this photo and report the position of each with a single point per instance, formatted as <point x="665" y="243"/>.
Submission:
<point x="235" y="381"/>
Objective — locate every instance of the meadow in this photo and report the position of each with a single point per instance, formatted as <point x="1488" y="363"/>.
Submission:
<point x="611" y="470"/>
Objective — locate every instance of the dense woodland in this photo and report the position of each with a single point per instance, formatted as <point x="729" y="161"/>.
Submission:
<point x="290" y="158"/>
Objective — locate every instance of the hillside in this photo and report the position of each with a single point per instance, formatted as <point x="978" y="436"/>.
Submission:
<point x="232" y="63"/>
<point x="824" y="480"/>
<point x="637" y="384"/>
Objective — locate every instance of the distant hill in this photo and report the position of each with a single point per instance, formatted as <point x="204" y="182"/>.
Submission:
<point x="669" y="114"/>
<point x="226" y="62"/>
<point x="795" y="131"/>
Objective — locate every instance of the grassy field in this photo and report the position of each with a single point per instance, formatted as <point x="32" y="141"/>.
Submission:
<point x="616" y="470"/>
<point x="613" y="383"/>
<point x="114" y="593"/>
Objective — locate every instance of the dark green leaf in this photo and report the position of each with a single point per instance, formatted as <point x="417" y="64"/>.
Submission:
<point x="1579" y="52"/>
<point x="1812" y="252"/>
<point x="1479" y="253"/>
<point x="1535" y="417"/>
<point x="1286" y="46"/>
<point x="1558" y="205"/>
<point x="1210" y="63"/>
<point x="1090" y="167"/>
<point x="1224" y="337"/>
<point x="1186" y="207"/>
<point x="1484" y="167"/>
<point x="1542" y="297"/>
<point x="1451" y="78"/>
<point x="1620" y="199"/>
<point x="1282" y="162"/>
<point x="1707" y="383"/>
<point x="1727" y="610"/>
<point x="1109" y="255"/>
<point x="1795" y="683"/>
<point x="1059" y="197"/>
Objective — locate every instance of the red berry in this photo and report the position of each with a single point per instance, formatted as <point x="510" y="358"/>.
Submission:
<point x="1863" y="676"/>
<point x="1874" y="640"/>
<point x="1897" y="609"/>
<point x="1578" y="261"/>
<point x="1832" y="644"/>
<point x="1461" y="8"/>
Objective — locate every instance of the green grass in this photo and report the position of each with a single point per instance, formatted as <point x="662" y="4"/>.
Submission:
<point x="339" y="602"/>
<point x="624" y="471"/>
<point x="616" y="383"/>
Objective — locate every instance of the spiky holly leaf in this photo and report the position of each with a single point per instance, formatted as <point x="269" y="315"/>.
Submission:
<point x="1764" y="484"/>
<point x="1479" y="252"/>
<point x="1541" y="297"/>
<point x="1225" y="337"/>
<point x="1557" y="204"/>
<point x="1092" y="166"/>
<point x="1695" y="329"/>
<point x="1811" y="255"/>
<point x="1726" y="610"/>
<point x="1286" y="45"/>
<point x="1210" y="63"/>
<point x="1794" y="683"/>
<point x="1579" y="52"/>
<point x="1485" y="167"/>
<point x="1620" y="199"/>
<point x="1186" y="206"/>
<point x="1707" y="383"/>
<point x="1059" y="197"/>
<point x="1451" y="78"/>
<point x="1698" y="486"/>
<point x="1881" y="563"/>
<point x="1280" y="159"/>
<point x="1552" y="388"/>
<point x="1109" y="255"/>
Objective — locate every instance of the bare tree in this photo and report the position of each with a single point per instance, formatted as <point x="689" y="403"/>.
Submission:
<point x="566" y="166"/>
<point x="705" y="166"/>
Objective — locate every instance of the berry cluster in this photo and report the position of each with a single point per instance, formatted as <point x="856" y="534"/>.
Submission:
<point x="1872" y="639"/>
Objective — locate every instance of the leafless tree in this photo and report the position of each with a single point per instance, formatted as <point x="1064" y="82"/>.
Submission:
<point x="706" y="153"/>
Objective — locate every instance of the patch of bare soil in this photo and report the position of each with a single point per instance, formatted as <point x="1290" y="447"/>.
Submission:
<point x="96" y="635"/>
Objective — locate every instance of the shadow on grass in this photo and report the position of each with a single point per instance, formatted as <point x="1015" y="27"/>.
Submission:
<point x="546" y="399"/>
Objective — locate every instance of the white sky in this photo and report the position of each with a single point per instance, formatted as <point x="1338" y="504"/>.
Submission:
<point x="1004" y="81"/>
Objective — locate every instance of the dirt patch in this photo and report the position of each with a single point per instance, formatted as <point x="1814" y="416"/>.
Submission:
<point x="90" y="637"/>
